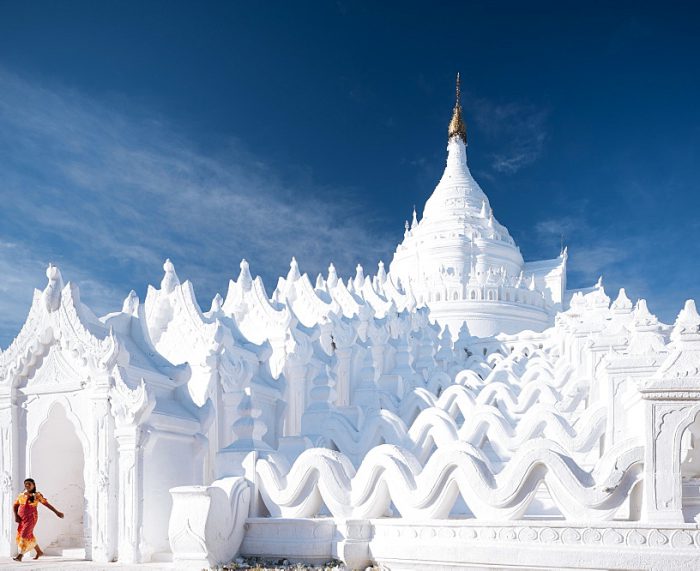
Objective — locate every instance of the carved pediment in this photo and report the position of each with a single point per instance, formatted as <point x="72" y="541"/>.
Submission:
<point x="64" y="322"/>
<point x="305" y="303"/>
<point x="349" y="303"/>
<point x="54" y="371"/>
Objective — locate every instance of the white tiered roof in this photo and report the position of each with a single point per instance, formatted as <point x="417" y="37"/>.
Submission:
<point x="459" y="202"/>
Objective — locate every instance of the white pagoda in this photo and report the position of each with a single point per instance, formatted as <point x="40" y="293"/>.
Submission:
<point x="461" y="262"/>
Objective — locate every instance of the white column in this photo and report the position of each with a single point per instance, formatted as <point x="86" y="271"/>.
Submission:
<point x="130" y="409"/>
<point x="8" y="471"/>
<point x="342" y="388"/>
<point x="298" y="353"/>
<point x="129" y="440"/>
<point x="100" y="542"/>
<point x="344" y="336"/>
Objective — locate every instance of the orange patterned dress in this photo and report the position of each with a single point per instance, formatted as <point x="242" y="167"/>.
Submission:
<point x="29" y="515"/>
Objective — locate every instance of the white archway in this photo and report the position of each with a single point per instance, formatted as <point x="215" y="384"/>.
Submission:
<point x="57" y="463"/>
<point x="690" y="469"/>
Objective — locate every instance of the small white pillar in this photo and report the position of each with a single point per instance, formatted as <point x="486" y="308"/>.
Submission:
<point x="8" y="470"/>
<point x="344" y="337"/>
<point x="668" y="413"/>
<point x="298" y="350"/>
<point x="672" y="402"/>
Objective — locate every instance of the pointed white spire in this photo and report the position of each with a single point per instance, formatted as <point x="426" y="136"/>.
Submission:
<point x="446" y="337"/>
<point x="484" y="211"/>
<point x="463" y="337"/>
<point x="293" y="274"/>
<point x="170" y="280"/>
<point x="53" y="274"/>
<point x="245" y="280"/>
<point x="622" y="304"/>
<point x="216" y="304"/>
<point x="414" y="220"/>
<point x="52" y="292"/>
<point x="642" y="316"/>
<point x="320" y="283"/>
<point x="687" y="322"/>
<point x="332" y="280"/>
<point x="381" y="272"/>
<point x="359" y="277"/>
<point x="131" y="304"/>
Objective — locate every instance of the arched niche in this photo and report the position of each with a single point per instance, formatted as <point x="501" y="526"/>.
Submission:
<point x="56" y="460"/>
<point x="669" y="414"/>
<point x="690" y="469"/>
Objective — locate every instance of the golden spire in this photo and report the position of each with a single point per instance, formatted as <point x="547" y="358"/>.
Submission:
<point x="457" y="127"/>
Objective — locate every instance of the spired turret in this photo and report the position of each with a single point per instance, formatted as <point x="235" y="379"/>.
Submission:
<point x="462" y="263"/>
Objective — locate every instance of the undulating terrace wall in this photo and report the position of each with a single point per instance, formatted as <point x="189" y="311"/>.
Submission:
<point x="450" y="431"/>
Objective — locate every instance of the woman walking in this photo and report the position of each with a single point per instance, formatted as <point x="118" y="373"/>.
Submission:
<point x="26" y="515"/>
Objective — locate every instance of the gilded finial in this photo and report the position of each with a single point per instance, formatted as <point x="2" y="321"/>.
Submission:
<point x="457" y="127"/>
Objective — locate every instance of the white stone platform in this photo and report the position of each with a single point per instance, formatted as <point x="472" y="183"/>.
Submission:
<point x="467" y="544"/>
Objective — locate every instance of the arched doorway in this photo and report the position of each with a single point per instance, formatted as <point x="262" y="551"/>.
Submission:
<point x="57" y="462"/>
<point x="690" y="470"/>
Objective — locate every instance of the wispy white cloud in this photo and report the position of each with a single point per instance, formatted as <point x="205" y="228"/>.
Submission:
<point x="520" y="129"/>
<point x="592" y="261"/>
<point x="563" y="226"/>
<point x="109" y="195"/>
<point x="626" y="255"/>
<point x="20" y="275"/>
<point x="594" y="250"/>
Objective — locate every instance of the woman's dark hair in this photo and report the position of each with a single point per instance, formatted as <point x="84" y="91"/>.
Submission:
<point x="31" y="495"/>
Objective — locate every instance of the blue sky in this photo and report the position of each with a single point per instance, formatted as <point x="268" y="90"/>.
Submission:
<point x="209" y="132"/>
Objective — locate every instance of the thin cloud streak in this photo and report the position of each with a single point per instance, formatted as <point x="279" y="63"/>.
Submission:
<point x="19" y="277"/>
<point x="521" y="130"/>
<point x="111" y="196"/>
<point x="624" y="255"/>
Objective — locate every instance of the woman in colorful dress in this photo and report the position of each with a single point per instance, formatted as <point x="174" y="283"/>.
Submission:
<point x="26" y="515"/>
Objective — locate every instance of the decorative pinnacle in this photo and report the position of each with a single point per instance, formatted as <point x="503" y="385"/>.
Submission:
<point x="457" y="127"/>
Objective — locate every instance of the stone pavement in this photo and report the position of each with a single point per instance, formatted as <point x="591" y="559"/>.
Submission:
<point x="54" y="562"/>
